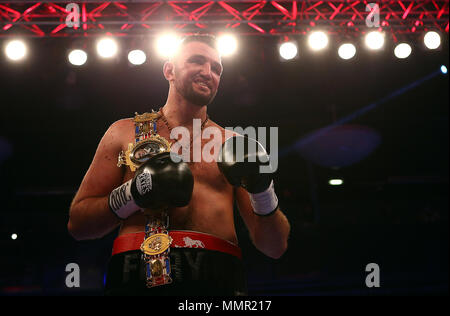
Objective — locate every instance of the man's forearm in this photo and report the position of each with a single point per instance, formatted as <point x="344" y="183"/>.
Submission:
<point x="91" y="218"/>
<point x="271" y="234"/>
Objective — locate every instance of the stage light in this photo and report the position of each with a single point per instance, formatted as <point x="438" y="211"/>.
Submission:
<point x="347" y="51"/>
<point x="77" y="57"/>
<point x="13" y="236"/>
<point x="335" y="182"/>
<point x="432" y="40"/>
<point x="288" y="50"/>
<point x="374" y="40"/>
<point x="107" y="47"/>
<point x="136" y="57"/>
<point x="444" y="69"/>
<point x="402" y="50"/>
<point x="167" y="44"/>
<point x="227" y="45"/>
<point x="317" y="40"/>
<point x="16" y="50"/>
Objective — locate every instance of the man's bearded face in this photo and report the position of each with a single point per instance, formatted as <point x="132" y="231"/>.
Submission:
<point x="197" y="73"/>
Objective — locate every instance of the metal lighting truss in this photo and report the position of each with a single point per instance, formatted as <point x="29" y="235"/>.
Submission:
<point x="263" y="18"/>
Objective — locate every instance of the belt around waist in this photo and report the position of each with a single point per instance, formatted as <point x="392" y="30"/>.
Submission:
<point x="180" y="239"/>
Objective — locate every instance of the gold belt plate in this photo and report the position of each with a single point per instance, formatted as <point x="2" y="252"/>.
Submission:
<point x="140" y="152"/>
<point x="156" y="244"/>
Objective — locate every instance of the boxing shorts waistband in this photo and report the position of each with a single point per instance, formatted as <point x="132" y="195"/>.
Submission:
<point x="180" y="239"/>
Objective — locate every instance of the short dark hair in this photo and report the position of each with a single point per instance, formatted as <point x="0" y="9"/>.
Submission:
<point x="208" y="39"/>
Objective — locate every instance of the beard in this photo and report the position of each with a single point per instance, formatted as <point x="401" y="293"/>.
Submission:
<point x="186" y="89"/>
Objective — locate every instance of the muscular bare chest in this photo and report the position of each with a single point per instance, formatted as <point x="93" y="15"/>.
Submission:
<point x="204" y="171"/>
<point x="211" y="207"/>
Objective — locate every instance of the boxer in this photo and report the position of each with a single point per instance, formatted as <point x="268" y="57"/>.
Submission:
<point x="202" y="256"/>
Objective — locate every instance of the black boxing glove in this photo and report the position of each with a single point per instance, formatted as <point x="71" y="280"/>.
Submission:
<point x="157" y="184"/>
<point x="240" y="160"/>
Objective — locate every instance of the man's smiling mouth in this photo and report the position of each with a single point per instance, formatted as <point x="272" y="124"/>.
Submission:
<point x="203" y="84"/>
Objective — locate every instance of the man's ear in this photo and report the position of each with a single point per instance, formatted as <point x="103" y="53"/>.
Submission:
<point x="169" y="70"/>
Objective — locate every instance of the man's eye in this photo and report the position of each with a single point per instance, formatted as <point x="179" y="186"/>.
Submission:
<point x="197" y="61"/>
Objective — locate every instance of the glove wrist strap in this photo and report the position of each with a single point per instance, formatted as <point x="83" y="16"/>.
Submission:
<point x="266" y="202"/>
<point x="121" y="201"/>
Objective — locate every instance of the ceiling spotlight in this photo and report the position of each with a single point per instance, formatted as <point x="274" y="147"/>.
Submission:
<point x="444" y="69"/>
<point x="77" y="57"/>
<point x="347" y="51"/>
<point x="137" y="57"/>
<point x="167" y="45"/>
<point x="15" y="50"/>
<point x="374" y="40"/>
<point x="107" y="47"/>
<point x="317" y="40"/>
<point x="335" y="182"/>
<point x="432" y="40"/>
<point x="402" y="50"/>
<point x="227" y="45"/>
<point x="288" y="50"/>
<point x="14" y="236"/>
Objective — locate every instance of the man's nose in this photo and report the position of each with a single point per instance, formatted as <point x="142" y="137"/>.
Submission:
<point x="206" y="70"/>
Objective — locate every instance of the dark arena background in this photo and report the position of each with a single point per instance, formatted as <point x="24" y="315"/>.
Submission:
<point x="376" y="124"/>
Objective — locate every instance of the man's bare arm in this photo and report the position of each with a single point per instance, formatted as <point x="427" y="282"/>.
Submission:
<point x="91" y="218"/>
<point x="268" y="233"/>
<point x="90" y="215"/>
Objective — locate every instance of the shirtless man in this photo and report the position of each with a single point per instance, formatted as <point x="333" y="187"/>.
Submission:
<point x="193" y="74"/>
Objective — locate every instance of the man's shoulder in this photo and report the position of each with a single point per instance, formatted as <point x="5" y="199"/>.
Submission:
<point x="121" y="124"/>
<point x="120" y="130"/>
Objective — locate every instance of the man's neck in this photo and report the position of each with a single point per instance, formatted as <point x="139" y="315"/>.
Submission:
<point x="181" y="113"/>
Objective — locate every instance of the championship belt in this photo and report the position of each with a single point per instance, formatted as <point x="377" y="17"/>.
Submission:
<point x="156" y="250"/>
<point x="147" y="142"/>
<point x="156" y="245"/>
